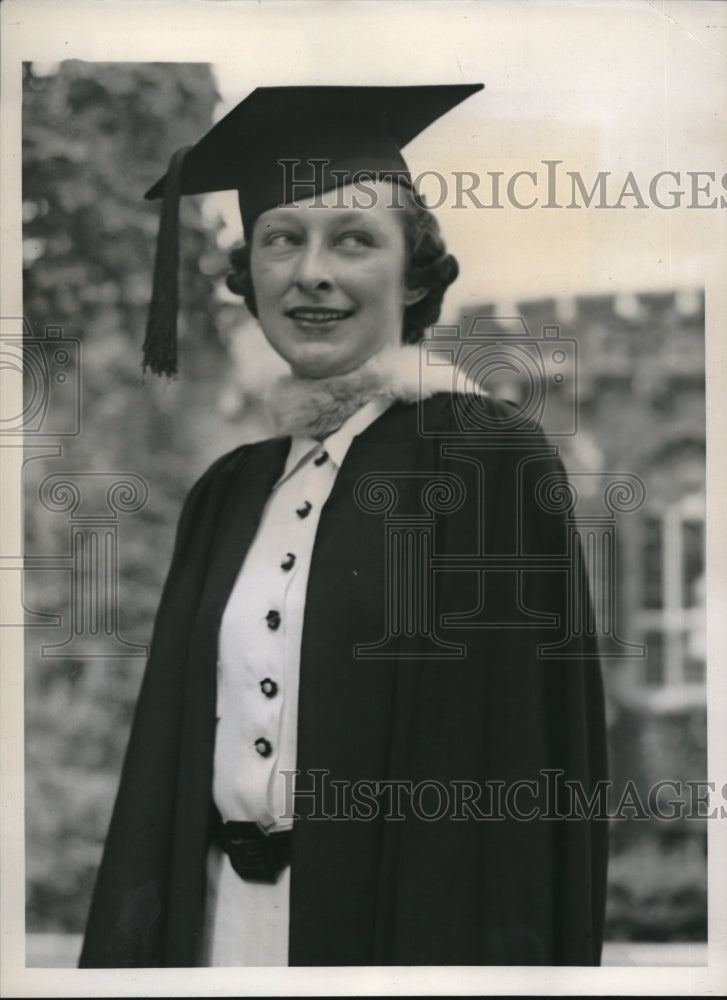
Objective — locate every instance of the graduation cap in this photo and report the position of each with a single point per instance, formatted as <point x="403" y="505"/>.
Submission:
<point x="278" y="145"/>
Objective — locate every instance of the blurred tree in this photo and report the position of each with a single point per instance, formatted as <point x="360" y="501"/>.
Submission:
<point x="95" y="137"/>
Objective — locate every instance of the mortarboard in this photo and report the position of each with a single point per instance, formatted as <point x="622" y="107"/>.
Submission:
<point x="279" y="144"/>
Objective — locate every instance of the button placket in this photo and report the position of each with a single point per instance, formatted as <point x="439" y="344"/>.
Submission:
<point x="296" y="543"/>
<point x="280" y="582"/>
<point x="271" y="683"/>
<point x="263" y="660"/>
<point x="299" y="529"/>
<point x="269" y="732"/>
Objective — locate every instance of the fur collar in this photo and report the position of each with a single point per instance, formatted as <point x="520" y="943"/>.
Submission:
<point x="317" y="407"/>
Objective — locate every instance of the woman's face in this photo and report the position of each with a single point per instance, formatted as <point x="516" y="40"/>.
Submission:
<point x="328" y="277"/>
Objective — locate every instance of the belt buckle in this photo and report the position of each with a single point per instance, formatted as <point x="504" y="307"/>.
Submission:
<point x="251" y="852"/>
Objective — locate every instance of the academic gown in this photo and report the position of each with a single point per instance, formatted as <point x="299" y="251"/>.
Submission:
<point x="448" y="681"/>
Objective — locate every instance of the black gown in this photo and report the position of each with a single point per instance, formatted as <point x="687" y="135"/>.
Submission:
<point x="392" y="689"/>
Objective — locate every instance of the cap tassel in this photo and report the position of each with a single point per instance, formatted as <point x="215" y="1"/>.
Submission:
<point x="160" y="344"/>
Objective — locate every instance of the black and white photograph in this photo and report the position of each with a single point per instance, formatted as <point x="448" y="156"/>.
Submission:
<point x="363" y="549"/>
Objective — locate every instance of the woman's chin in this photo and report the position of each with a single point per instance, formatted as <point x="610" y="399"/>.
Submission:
<point x="323" y="364"/>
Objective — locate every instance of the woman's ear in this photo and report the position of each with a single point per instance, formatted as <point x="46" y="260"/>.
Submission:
<point x="412" y="295"/>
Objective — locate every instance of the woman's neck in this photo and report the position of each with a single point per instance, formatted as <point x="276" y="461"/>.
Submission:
<point x="316" y="407"/>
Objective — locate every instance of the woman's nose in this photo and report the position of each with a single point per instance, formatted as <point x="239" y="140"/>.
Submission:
<point x="314" y="272"/>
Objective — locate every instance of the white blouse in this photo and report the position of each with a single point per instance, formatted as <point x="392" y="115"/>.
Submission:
<point x="246" y="923"/>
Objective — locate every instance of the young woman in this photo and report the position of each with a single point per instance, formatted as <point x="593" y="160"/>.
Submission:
<point x="353" y="739"/>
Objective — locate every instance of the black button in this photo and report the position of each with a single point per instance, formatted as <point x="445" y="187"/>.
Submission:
<point x="323" y="457"/>
<point x="264" y="747"/>
<point x="288" y="562"/>
<point x="305" y="510"/>
<point x="268" y="687"/>
<point x="273" y="619"/>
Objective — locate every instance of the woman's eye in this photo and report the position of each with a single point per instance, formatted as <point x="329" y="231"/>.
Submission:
<point x="355" y="240"/>
<point x="282" y="240"/>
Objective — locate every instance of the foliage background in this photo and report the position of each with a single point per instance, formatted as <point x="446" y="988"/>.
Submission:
<point x="94" y="138"/>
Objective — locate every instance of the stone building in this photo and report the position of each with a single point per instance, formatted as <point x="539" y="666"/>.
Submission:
<point x="627" y="397"/>
<point x="618" y="381"/>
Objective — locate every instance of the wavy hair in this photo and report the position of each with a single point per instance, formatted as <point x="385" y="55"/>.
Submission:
<point x="428" y="266"/>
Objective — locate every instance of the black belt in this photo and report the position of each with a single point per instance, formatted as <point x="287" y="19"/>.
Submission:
<point x="255" y="855"/>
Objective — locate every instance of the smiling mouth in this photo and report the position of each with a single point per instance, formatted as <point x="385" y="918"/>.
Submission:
<point x="317" y="316"/>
